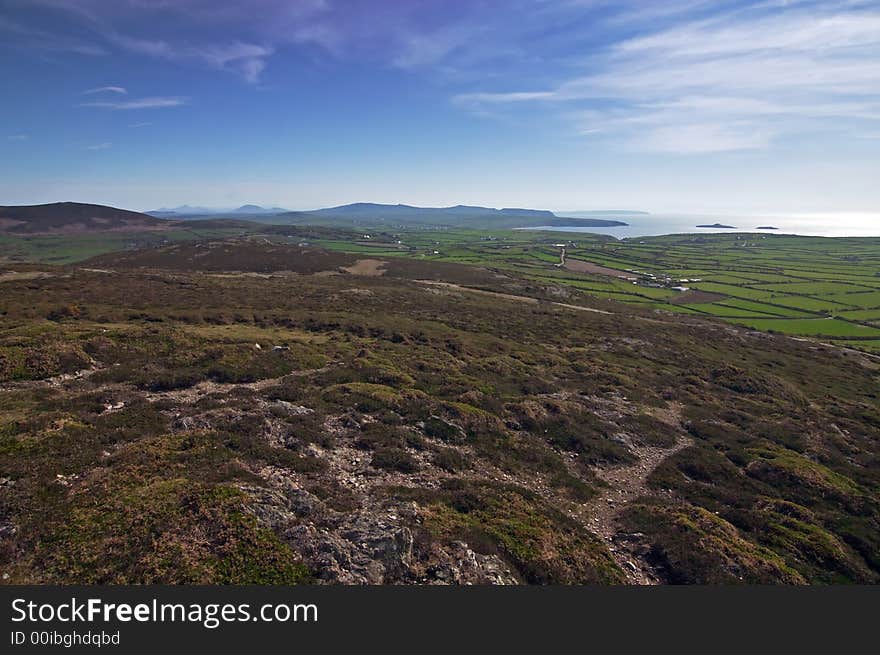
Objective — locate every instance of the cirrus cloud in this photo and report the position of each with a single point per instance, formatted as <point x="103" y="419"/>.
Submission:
<point x="738" y="80"/>
<point x="105" y="89"/>
<point x="689" y="76"/>
<point x="155" y="102"/>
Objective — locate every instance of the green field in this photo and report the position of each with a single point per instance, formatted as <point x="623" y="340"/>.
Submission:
<point x="787" y="284"/>
<point x="820" y="327"/>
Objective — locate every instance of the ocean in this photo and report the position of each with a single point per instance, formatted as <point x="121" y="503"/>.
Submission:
<point x="823" y="225"/>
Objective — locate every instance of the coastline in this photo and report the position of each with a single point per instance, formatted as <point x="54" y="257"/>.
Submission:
<point x="843" y="226"/>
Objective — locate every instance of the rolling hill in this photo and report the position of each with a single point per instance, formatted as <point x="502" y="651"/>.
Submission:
<point x="240" y="412"/>
<point x="375" y="214"/>
<point x="365" y="213"/>
<point x="190" y="212"/>
<point x="74" y="217"/>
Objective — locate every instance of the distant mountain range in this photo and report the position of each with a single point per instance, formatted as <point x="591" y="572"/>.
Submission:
<point x="187" y="211"/>
<point x="369" y="214"/>
<point x="393" y="211"/>
<point x="72" y="217"/>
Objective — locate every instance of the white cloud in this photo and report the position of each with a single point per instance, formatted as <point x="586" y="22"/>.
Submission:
<point x="418" y="49"/>
<point x="699" y="138"/>
<point x="787" y="32"/>
<point x="106" y="89"/>
<point x="18" y="137"/>
<point x="246" y="59"/>
<point x="702" y="74"/>
<point x="472" y="99"/>
<point x="100" y="146"/>
<point x="155" y="102"/>
<point x="737" y="81"/>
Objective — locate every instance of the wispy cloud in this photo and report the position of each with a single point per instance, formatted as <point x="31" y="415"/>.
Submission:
<point x="106" y="89"/>
<point x="689" y="76"/>
<point x="417" y="49"/>
<point x="143" y="28"/>
<point x="246" y="59"/>
<point x="239" y="37"/>
<point x="476" y="99"/>
<point x="156" y="102"/>
<point x="22" y="36"/>
<point x="139" y="125"/>
<point x="17" y="137"/>
<point x="100" y="146"/>
<point x="738" y="80"/>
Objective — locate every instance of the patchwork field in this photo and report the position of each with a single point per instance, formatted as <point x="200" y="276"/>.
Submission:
<point x="768" y="282"/>
<point x="786" y="284"/>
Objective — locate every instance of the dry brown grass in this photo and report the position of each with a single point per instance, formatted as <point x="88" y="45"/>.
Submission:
<point x="367" y="267"/>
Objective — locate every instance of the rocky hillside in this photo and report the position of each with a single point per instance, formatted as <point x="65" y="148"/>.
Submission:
<point x="309" y="416"/>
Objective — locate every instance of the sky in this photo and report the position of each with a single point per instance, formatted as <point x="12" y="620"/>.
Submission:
<point x="766" y="106"/>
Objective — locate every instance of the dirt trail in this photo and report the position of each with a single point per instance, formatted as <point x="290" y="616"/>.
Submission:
<point x="627" y="483"/>
<point x="54" y="381"/>
<point x="367" y="267"/>
<point x="14" y="276"/>
<point x="508" y="296"/>
<point x="193" y="393"/>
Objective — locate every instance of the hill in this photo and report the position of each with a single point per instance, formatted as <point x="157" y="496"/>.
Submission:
<point x="181" y="211"/>
<point x="187" y="212"/>
<point x="256" y="209"/>
<point x="373" y="214"/>
<point x="368" y="214"/>
<point x="73" y="217"/>
<point x="242" y="412"/>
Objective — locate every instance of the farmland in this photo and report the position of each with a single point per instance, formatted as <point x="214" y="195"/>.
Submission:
<point x="821" y="288"/>
<point x="800" y="286"/>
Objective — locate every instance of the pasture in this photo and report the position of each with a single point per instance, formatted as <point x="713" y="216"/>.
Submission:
<point x="786" y="284"/>
<point x="802" y="286"/>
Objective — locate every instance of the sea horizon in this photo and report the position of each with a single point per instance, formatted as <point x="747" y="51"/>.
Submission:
<point x="829" y="224"/>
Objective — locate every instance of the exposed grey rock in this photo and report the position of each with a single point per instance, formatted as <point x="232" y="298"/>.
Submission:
<point x="362" y="550"/>
<point x="460" y="565"/>
<point x="270" y="506"/>
<point x="289" y="408"/>
<point x="190" y="423"/>
<point x="7" y="529"/>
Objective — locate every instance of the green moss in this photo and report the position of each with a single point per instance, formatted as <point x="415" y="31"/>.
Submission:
<point x="693" y="546"/>
<point x="800" y="478"/>
<point x="165" y="532"/>
<point x="816" y="553"/>
<point x="367" y="397"/>
<point x="45" y="359"/>
<point x="541" y="543"/>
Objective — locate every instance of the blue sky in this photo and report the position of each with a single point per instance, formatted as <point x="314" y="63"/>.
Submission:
<point x="683" y="105"/>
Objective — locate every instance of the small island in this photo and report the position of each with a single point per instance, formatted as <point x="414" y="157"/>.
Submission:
<point x="767" y="227"/>
<point x="718" y="226"/>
